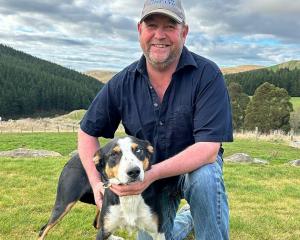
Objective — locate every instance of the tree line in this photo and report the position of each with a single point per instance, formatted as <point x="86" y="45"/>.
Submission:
<point x="286" y="78"/>
<point x="30" y="86"/>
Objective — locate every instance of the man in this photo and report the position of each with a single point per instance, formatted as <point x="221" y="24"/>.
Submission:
<point x="177" y="101"/>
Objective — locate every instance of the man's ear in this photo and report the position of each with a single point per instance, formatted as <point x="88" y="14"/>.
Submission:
<point x="139" y="27"/>
<point x="185" y="31"/>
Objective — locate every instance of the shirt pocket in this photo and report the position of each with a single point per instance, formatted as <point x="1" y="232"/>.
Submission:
<point x="180" y="128"/>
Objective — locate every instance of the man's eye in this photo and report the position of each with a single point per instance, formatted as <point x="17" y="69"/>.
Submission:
<point x="151" y="25"/>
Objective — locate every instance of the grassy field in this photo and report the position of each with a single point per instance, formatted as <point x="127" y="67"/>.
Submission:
<point x="264" y="200"/>
<point x="296" y="102"/>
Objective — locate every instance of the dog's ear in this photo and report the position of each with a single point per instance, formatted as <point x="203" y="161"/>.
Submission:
<point x="100" y="164"/>
<point x="149" y="152"/>
<point x="150" y="149"/>
<point x="97" y="159"/>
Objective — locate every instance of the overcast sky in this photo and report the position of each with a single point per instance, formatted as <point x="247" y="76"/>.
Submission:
<point x="93" y="34"/>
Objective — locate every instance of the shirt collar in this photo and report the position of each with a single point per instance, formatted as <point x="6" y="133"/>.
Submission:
<point x="186" y="59"/>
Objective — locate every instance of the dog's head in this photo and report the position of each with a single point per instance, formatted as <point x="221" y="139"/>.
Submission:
<point x="124" y="160"/>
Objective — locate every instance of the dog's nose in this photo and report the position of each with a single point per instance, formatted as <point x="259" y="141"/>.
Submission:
<point x="133" y="172"/>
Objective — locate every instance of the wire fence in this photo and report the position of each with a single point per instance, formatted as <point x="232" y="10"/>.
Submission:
<point x="33" y="129"/>
<point x="43" y="128"/>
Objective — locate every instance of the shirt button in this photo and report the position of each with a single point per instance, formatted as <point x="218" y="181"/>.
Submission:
<point x="161" y="123"/>
<point x="155" y="104"/>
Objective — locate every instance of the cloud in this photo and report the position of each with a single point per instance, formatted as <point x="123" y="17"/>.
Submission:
<point x="84" y="34"/>
<point x="275" y="17"/>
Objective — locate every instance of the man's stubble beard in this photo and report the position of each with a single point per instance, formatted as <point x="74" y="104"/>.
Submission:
<point x="174" y="55"/>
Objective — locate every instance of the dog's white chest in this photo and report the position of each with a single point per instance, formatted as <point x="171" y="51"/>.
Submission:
<point x="132" y="213"/>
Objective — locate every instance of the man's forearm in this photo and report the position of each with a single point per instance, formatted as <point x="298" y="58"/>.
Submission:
<point x="188" y="160"/>
<point x="87" y="146"/>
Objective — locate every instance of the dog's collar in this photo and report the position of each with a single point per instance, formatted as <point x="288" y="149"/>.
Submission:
<point x="106" y="184"/>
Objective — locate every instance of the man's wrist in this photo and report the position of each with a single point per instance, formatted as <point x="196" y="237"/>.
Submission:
<point x="95" y="183"/>
<point x="155" y="173"/>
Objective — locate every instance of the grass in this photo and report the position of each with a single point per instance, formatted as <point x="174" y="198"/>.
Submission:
<point x="264" y="200"/>
<point x="76" y="115"/>
<point x="296" y="102"/>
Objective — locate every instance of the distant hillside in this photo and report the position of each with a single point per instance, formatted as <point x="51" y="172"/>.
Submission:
<point x="31" y="86"/>
<point x="291" y="65"/>
<point x="285" y="75"/>
<point x="238" y="69"/>
<point x="102" y="75"/>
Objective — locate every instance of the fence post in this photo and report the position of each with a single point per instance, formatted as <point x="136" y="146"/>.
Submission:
<point x="292" y="134"/>
<point x="256" y="133"/>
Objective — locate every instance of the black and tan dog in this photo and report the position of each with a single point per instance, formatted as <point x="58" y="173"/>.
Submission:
<point x="121" y="161"/>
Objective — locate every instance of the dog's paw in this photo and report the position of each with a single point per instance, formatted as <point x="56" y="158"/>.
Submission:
<point x="113" y="237"/>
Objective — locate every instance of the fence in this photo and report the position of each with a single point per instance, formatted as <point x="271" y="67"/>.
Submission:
<point x="34" y="129"/>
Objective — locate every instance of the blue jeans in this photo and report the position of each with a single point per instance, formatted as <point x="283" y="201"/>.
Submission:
<point x="205" y="192"/>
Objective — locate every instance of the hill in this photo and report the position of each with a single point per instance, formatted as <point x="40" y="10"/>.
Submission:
<point x="104" y="76"/>
<point x="285" y="75"/>
<point x="101" y="75"/>
<point x="238" y="69"/>
<point x="32" y="86"/>
<point x="291" y="65"/>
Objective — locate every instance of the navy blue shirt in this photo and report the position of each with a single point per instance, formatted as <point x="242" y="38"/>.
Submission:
<point x="195" y="107"/>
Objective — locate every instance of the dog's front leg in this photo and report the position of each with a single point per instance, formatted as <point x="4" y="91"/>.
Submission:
<point x="103" y="235"/>
<point x="158" y="236"/>
<point x="113" y="237"/>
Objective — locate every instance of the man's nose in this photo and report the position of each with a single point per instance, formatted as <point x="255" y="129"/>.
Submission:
<point x="160" y="33"/>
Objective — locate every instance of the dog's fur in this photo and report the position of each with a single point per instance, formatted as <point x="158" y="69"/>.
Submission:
<point x="121" y="161"/>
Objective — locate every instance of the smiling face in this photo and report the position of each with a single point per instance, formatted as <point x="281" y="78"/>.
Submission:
<point x="162" y="40"/>
<point x="124" y="160"/>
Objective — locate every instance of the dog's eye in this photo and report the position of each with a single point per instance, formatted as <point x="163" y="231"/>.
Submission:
<point x="114" y="154"/>
<point x="138" y="150"/>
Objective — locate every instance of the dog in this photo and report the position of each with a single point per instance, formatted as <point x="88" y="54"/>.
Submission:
<point x="122" y="161"/>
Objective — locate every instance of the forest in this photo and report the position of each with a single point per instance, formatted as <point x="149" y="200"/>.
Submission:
<point x="30" y="86"/>
<point x="286" y="78"/>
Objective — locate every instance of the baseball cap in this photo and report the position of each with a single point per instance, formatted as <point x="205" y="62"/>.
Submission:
<point x="170" y="8"/>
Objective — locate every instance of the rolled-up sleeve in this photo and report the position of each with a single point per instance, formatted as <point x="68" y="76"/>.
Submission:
<point x="212" y="111"/>
<point x="103" y="117"/>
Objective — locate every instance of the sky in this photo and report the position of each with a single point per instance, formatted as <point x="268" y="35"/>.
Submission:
<point x="102" y="34"/>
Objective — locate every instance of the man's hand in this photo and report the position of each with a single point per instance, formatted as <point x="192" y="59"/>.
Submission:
<point x="133" y="188"/>
<point x="98" y="194"/>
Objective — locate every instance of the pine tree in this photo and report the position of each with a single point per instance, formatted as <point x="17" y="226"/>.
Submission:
<point x="269" y="109"/>
<point x="239" y="102"/>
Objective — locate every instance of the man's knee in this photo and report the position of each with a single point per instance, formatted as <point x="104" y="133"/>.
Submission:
<point x="204" y="181"/>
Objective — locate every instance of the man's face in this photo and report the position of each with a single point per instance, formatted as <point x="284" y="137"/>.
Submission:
<point x="161" y="40"/>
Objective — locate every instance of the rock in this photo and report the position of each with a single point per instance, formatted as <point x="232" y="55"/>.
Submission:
<point x="244" y="158"/>
<point x="260" y="161"/>
<point x="239" y="158"/>
<point x="23" y="152"/>
<point x="295" y="144"/>
<point x="295" y="163"/>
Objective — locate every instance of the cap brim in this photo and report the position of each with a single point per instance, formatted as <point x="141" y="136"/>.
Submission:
<point x="163" y="12"/>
